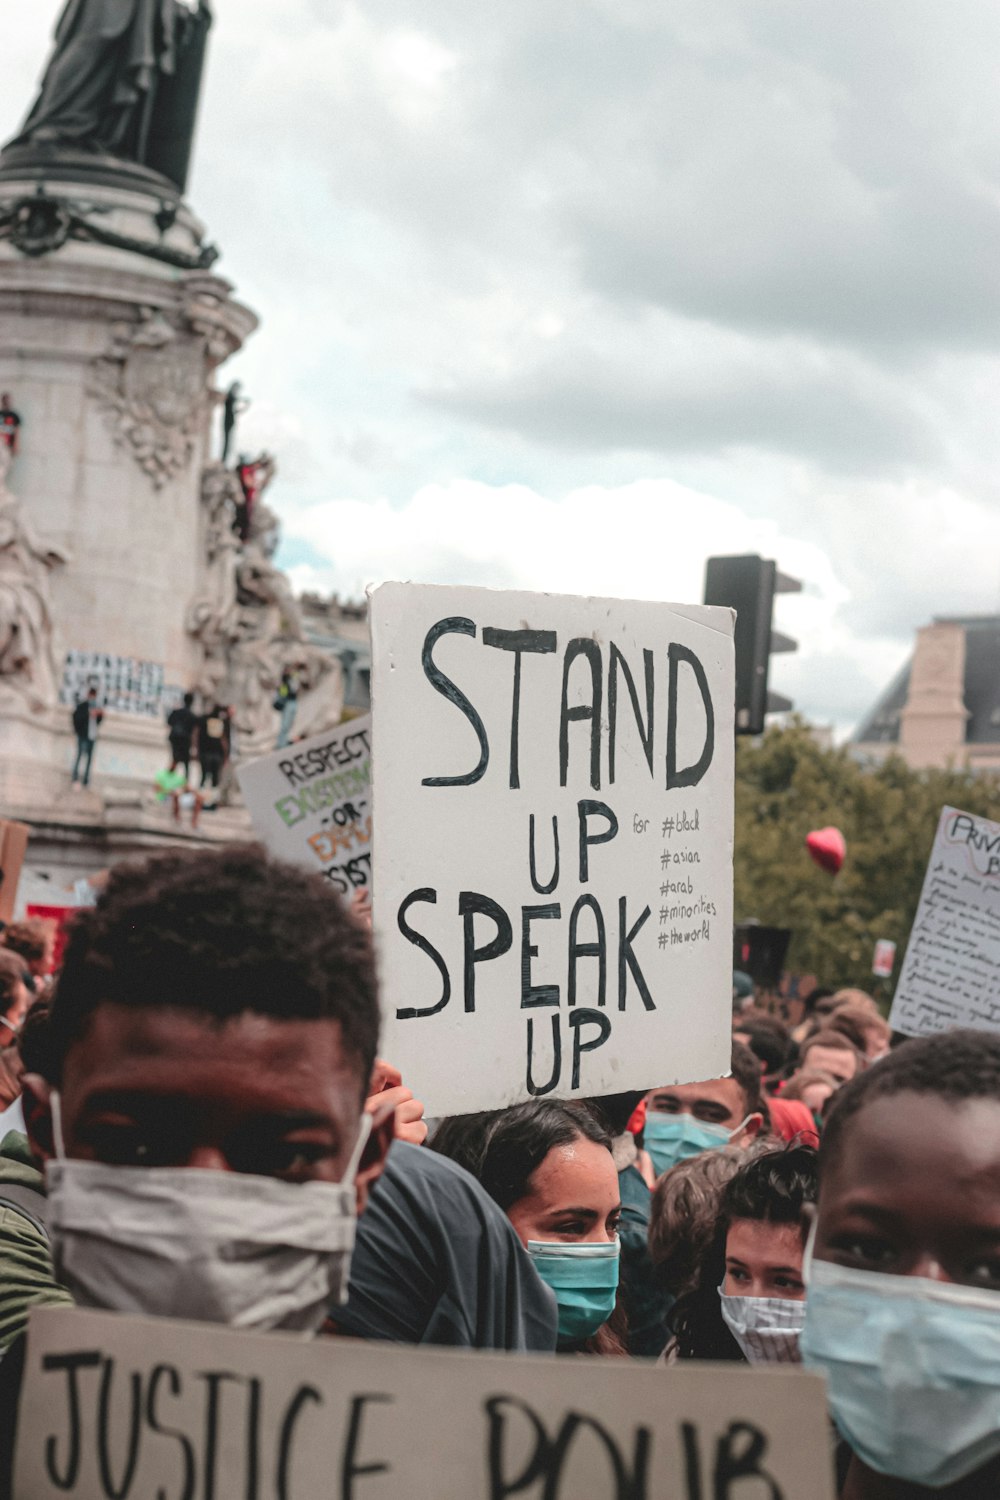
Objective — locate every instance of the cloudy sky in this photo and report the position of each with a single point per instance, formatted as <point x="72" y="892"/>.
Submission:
<point x="569" y="294"/>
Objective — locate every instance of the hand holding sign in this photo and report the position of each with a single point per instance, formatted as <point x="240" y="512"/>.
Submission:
<point x="387" y="1089"/>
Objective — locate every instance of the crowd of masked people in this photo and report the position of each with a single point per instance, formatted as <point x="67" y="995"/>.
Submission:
<point x="203" y="1129"/>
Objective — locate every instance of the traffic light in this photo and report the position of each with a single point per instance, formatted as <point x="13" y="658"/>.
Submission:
<point x="748" y="585"/>
<point x="760" y="952"/>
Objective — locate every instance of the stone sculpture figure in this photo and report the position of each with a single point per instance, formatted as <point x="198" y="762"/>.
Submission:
<point x="123" y="79"/>
<point x="249" y="625"/>
<point x="27" y="663"/>
<point x="213" y="616"/>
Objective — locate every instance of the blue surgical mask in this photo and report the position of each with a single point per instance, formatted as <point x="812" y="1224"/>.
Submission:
<point x="912" y="1368"/>
<point x="673" y="1138"/>
<point x="585" y="1281"/>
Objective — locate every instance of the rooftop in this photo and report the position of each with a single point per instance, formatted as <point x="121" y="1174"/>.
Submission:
<point x="981" y="690"/>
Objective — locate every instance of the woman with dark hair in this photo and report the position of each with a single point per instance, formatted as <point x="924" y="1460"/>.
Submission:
<point x="462" y="1137"/>
<point x="550" y="1168"/>
<point x="15" y="997"/>
<point x="749" y="1300"/>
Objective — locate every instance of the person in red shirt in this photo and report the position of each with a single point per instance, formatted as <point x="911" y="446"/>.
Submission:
<point x="10" y="425"/>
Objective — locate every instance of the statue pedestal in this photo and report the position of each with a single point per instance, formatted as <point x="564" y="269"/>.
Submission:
<point x="109" y="336"/>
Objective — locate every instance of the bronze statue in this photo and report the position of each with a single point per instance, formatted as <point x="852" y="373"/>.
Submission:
<point x="123" y="80"/>
<point x="235" y="406"/>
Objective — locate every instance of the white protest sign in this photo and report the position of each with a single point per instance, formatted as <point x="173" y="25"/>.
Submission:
<point x="116" y="1408"/>
<point x="310" y="803"/>
<point x="553" y="842"/>
<point x="884" y="959"/>
<point x="951" y="973"/>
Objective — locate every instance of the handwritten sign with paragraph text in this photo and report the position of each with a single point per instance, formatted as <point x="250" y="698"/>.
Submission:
<point x="951" y="973"/>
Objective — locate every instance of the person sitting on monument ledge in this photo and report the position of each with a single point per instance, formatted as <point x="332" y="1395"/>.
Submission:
<point x="174" y="786"/>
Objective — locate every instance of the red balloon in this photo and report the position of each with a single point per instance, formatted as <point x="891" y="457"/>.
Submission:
<point x="828" y="848"/>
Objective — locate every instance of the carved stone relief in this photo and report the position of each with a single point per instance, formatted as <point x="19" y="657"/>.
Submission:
<point x="27" y="662"/>
<point x="152" y="384"/>
<point x="249" y="625"/>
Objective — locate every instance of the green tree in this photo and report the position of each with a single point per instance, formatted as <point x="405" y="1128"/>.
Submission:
<point x="786" y="786"/>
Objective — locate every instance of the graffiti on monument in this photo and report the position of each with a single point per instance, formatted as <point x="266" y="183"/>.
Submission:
<point x="124" y="684"/>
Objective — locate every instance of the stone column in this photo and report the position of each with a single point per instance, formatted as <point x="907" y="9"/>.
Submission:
<point x="111" y="326"/>
<point x="932" y="725"/>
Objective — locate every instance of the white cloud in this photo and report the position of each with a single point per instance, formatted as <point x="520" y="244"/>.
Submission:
<point x="570" y="295"/>
<point x="645" y="540"/>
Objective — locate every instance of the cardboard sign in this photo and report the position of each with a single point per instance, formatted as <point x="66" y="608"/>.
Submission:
<point x="885" y="958"/>
<point x="13" y="847"/>
<point x="952" y="966"/>
<point x="553" y="842"/>
<point x="311" y="803"/>
<point x="135" y="1408"/>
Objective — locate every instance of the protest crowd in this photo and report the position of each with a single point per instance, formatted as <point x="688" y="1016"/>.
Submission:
<point x="198" y="1125"/>
<point x="390" y="1114"/>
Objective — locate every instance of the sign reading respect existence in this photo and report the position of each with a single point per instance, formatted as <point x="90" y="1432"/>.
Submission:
<point x="310" y="803"/>
<point x="116" y="1408"/>
<point x="553" y="837"/>
<point x="951" y="972"/>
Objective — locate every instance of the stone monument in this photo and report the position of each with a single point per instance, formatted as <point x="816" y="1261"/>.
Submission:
<point x="119" y="563"/>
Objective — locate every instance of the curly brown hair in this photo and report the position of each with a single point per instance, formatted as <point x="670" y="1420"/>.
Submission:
<point x="223" y="932"/>
<point x="31" y="938"/>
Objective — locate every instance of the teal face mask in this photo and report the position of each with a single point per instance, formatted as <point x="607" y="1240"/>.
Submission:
<point x="585" y="1281"/>
<point x="912" y="1368"/>
<point x="673" y="1138"/>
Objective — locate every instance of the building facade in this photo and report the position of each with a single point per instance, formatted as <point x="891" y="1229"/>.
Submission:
<point x="943" y="708"/>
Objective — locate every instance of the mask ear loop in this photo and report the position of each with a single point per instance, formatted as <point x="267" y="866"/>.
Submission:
<point x="807" y="1254"/>
<point x="55" y="1107"/>
<point x="364" y="1131"/>
<point x="742" y="1123"/>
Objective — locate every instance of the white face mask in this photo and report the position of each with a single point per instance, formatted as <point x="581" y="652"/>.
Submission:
<point x="766" y="1328"/>
<point x="912" y="1368"/>
<point x="215" y="1247"/>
